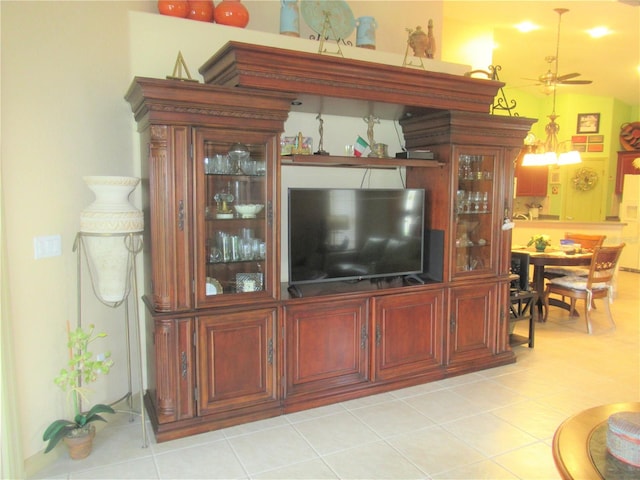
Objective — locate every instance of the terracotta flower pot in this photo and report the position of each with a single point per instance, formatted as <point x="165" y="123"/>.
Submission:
<point x="80" y="444"/>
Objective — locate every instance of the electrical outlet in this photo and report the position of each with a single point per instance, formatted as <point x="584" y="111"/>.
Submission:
<point x="47" y="246"/>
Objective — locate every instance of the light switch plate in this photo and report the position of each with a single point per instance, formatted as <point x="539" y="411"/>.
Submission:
<point x="47" y="246"/>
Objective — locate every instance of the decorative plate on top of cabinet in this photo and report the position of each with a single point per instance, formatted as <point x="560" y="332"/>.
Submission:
<point x="630" y="136"/>
<point x="332" y="18"/>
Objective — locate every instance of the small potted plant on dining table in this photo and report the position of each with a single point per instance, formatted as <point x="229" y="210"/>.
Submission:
<point x="83" y="368"/>
<point x="540" y="241"/>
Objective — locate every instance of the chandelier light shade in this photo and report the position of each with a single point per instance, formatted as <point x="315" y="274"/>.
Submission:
<point x="106" y="227"/>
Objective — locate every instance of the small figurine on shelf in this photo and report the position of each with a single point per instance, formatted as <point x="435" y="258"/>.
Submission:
<point x="321" y="150"/>
<point x="223" y="199"/>
<point x="423" y="45"/>
<point x="370" y="121"/>
<point x="301" y="145"/>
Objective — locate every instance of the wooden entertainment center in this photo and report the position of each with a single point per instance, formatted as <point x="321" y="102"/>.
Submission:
<point x="227" y="344"/>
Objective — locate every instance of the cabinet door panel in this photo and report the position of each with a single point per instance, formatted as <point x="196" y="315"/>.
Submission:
<point x="172" y="387"/>
<point x="472" y="322"/>
<point x="531" y="181"/>
<point x="476" y="211"/>
<point x="408" y="334"/>
<point x="236" y="359"/>
<point x="326" y="346"/>
<point x="234" y="252"/>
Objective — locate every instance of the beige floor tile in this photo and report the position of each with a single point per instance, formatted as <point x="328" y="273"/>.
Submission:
<point x="392" y="418"/>
<point x="335" y="432"/>
<point x="186" y="442"/>
<point x="435" y="450"/>
<point x="533" y="462"/>
<point x="304" y="415"/>
<point x="142" y="469"/>
<point x="443" y="406"/>
<point x="373" y="461"/>
<point x="487" y="394"/>
<point x="489" y="434"/>
<point x="211" y="460"/>
<point x="485" y="470"/>
<point x="310" y="470"/>
<point x="535" y="419"/>
<point x="270" y="449"/>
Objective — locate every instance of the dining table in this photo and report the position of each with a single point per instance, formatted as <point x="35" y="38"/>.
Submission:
<point x="557" y="258"/>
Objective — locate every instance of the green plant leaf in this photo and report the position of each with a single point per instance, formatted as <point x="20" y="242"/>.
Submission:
<point x="100" y="408"/>
<point x="55" y="427"/>
<point x="56" y="431"/>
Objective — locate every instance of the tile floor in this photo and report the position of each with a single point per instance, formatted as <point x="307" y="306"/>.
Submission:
<point x="493" y="424"/>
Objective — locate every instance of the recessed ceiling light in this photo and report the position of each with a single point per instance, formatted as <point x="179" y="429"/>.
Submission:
<point x="527" y="26"/>
<point x="598" y="32"/>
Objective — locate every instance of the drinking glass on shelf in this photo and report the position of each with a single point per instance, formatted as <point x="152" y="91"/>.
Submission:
<point x="477" y="197"/>
<point x="485" y="201"/>
<point x="460" y="201"/>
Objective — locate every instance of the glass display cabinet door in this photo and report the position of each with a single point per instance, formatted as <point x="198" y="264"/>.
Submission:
<point x="473" y="214"/>
<point x="232" y="208"/>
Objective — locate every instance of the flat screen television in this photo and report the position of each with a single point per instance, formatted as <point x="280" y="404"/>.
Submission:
<point x="338" y="234"/>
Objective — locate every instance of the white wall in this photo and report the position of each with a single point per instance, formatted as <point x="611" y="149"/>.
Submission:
<point x="65" y="69"/>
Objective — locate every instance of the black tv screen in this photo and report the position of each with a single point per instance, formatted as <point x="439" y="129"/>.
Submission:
<point x="353" y="234"/>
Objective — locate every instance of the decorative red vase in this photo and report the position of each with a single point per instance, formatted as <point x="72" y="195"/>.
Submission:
<point x="232" y="13"/>
<point x="174" y="8"/>
<point x="201" y="10"/>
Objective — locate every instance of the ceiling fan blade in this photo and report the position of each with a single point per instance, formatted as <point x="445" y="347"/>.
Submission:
<point x="568" y="76"/>
<point x="576" y="82"/>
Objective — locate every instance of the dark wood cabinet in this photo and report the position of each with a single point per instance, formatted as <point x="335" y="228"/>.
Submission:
<point x="531" y="181"/>
<point x="473" y="320"/>
<point x="229" y="344"/>
<point x="626" y="167"/>
<point x="407" y="334"/>
<point x="327" y="348"/>
<point x="237" y="356"/>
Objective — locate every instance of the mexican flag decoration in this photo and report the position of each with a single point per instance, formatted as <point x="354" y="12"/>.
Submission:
<point x="360" y="146"/>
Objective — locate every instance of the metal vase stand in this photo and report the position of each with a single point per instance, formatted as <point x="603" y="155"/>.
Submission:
<point x="133" y="243"/>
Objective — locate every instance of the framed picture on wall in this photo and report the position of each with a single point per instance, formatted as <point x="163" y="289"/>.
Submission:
<point x="588" y="123"/>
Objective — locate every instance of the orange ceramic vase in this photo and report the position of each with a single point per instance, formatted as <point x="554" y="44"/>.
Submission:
<point x="201" y="10"/>
<point x="232" y="13"/>
<point x="174" y="8"/>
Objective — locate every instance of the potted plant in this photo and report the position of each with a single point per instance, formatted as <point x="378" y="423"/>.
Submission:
<point x="82" y="369"/>
<point x="541" y="242"/>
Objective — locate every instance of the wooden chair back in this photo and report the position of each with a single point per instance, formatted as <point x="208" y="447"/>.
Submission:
<point x="520" y="266"/>
<point x="587" y="242"/>
<point x="603" y="265"/>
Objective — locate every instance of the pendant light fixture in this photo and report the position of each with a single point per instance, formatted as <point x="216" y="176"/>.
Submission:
<point x="552" y="151"/>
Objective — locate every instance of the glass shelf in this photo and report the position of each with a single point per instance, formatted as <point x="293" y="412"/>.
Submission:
<point x="473" y="213"/>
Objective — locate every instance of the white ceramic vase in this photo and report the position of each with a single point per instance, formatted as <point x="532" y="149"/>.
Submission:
<point x="106" y="223"/>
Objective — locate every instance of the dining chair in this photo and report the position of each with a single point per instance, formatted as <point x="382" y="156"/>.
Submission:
<point x="522" y="299"/>
<point x="597" y="284"/>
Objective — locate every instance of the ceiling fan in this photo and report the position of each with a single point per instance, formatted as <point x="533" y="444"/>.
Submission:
<point x="551" y="79"/>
